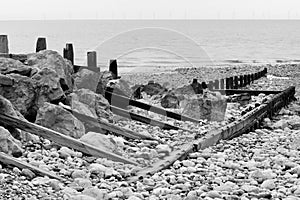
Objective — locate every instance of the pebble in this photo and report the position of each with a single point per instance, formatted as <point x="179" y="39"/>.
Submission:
<point x="28" y="173"/>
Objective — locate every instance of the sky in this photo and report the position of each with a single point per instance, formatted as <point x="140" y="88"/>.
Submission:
<point x="148" y="9"/>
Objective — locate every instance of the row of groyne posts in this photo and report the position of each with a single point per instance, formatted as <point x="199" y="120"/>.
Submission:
<point x="234" y="82"/>
<point x="68" y="53"/>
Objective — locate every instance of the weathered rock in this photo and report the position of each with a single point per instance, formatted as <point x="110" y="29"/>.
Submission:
<point x="11" y="66"/>
<point x="8" y="144"/>
<point x="100" y="141"/>
<point x="79" y="174"/>
<point x="28" y="173"/>
<point x="89" y="103"/>
<point x="95" y="192"/>
<point x="211" y="106"/>
<point x="268" y="184"/>
<point x="170" y="101"/>
<point x="104" y="78"/>
<point x="52" y="59"/>
<point x="86" y="79"/>
<point x="153" y="88"/>
<point x="120" y="87"/>
<point x="58" y="119"/>
<point x="21" y="94"/>
<point x="5" y="80"/>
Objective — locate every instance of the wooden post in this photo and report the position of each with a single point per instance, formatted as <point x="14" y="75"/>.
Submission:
<point x="265" y="71"/>
<point x="3" y="44"/>
<point x="113" y="68"/>
<point x="41" y="44"/>
<point x="216" y="85"/>
<point x="241" y="81"/>
<point x="222" y="84"/>
<point x="210" y="85"/>
<point x="236" y="82"/>
<point x="92" y="59"/>
<point x="227" y="83"/>
<point x="252" y="78"/>
<point x="69" y="53"/>
<point x="249" y="79"/>
<point x="245" y="80"/>
<point x="231" y="83"/>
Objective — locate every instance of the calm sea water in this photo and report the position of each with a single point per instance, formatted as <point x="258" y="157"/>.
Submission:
<point x="163" y="42"/>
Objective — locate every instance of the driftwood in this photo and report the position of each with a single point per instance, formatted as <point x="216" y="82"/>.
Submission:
<point x="61" y="139"/>
<point x="122" y="100"/>
<point x="9" y="160"/>
<point x="94" y="124"/>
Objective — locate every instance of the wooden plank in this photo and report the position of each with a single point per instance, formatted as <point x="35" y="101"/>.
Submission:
<point x="113" y="68"/>
<point x="11" y="161"/>
<point x="61" y="139"/>
<point x="122" y="102"/>
<point x="146" y="120"/>
<point x="93" y="124"/>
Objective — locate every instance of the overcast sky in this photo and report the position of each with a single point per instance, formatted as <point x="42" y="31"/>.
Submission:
<point x="149" y="9"/>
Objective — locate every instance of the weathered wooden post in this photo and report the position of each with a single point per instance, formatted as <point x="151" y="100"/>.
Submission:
<point x="216" y="85"/>
<point x="236" y="82"/>
<point x="92" y="59"/>
<point x="3" y="44"/>
<point x="245" y="80"/>
<point x="241" y="81"/>
<point x="222" y="84"/>
<point x="265" y="71"/>
<point x="252" y="78"/>
<point x="231" y="83"/>
<point x="210" y="85"/>
<point x="41" y="44"/>
<point x="249" y="79"/>
<point x="113" y="68"/>
<point x="227" y="83"/>
<point x="69" y="53"/>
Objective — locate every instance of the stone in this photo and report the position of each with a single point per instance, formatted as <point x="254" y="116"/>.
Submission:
<point x="91" y="104"/>
<point x="11" y="66"/>
<point x="52" y="59"/>
<point x="211" y="106"/>
<point x="28" y="173"/>
<point x="65" y="152"/>
<point x="86" y="79"/>
<point x="153" y="88"/>
<point x="249" y="188"/>
<point x="188" y="163"/>
<point x="40" y="181"/>
<point x="77" y="173"/>
<point x="100" y="141"/>
<point x="59" y="119"/>
<point x="95" y="192"/>
<point x="55" y="184"/>
<point x="163" y="148"/>
<point x="228" y="186"/>
<point x="80" y="197"/>
<point x="8" y="144"/>
<point x="214" y="194"/>
<point x="96" y="168"/>
<point x="104" y="79"/>
<point x="83" y="182"/>
<point x="268" y="184"/>
<point x="120" y="87"/>
<point x="294" y="122"/>
<point x="134" y="198"/>
<point x="170" y="101"/>
<point x="5" y="80"/>
<point x="281" y="124"/>
<point x="262" y="175"/>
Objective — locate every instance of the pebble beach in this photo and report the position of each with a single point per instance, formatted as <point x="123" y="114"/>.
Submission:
<point x="263" y="164"/>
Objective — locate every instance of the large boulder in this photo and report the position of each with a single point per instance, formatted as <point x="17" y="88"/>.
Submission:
<point x="58" y="119"/>
<point x="7" y="108"/>
<point x="86" y="79"/>
<point x="8" y="144"/>
<point x="170" y="101"/>
<point x="52" y="59"/>
<point x="48" y="88"/>
<point x="211" y="106"/>
<point x="89" y="103"/>
<point x="100" y="141"/>
<point x="153" y="88"/>
<point x="21" y="94"/>
<point x="11" y="66"/>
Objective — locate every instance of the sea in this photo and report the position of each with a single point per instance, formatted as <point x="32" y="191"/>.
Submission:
<point x="142" y="44"/>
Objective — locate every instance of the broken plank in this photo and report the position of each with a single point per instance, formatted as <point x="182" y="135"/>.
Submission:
<point x="124" y="101"/>
<point x="9" y="160"/>
<point x="61" y="139"/>
<point x="146" y="120"/>
<point x="96" y="124"/>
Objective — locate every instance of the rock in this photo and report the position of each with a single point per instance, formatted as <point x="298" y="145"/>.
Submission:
<point x="120" y="87"/>
<point x="210" y="106"/>
<point x="100" y="141"/>
<point x="8" y="144"/>
<point x="134" y="198"/>
<point x="5" y="80"/>
<point x="262" y="175"/>
<point x="281" y="124"/>
<point x="268" y="184"/>
<point x="86" y="79"/>
<point x="58" y="119"/>
<point x="11" y="66"/>
<point x="96" y="168"/>
<point x="242" y="99"/>
<point x="104" y="78"/>
<point x="40" y="181"/>
<point x="81" y="197"/>
<point x="48" y="87"/>
<point x="77" y="173"/>
<point x="21" y="94"/>
<point x="89" y="103"/>
<point x="294" y="122"/>
<point x="152" y="88"/>
<point x="249" y="188"/>
<point x="170" y="101"/>
<point x="214" y="194"/>
<point x="55" y="184"/>
<point x="95" y="192"/>
<point x="65" y="152"/>
<point x="228" y="186"/>
<point x="160" y="191"/>
<point x="28" y="173"/>
<point x="52" y="60"/>
<point x="83" y="182"/>
<point x="188" y="163"/>
<point x="163" y="148"/>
